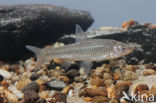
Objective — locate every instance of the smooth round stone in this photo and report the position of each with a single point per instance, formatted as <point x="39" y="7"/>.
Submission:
<point x="34" y="76"/>
<point x="1" y="78"/>
<point x="56" y="84"/>
<point x="31" y="86"/>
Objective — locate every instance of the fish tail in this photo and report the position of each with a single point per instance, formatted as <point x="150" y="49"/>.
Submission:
<point x="39" y="55"/>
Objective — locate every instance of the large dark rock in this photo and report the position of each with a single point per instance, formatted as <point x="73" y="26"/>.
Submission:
<point x="142" y="37"/>
<point x="37" y="25"/>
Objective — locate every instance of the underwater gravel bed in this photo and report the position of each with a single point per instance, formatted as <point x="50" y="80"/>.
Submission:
<point x="51" y="84"/>
<point x="111" y="81"/>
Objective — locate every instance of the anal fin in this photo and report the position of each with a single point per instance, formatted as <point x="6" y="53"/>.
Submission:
<point x="85" y="67"/>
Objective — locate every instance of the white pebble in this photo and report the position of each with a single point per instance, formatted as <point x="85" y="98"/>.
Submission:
<point x="5" y="74"/>
<point x="18" y="93"/>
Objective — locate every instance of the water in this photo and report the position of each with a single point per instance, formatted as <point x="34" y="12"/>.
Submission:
<point x="105" y="12"/>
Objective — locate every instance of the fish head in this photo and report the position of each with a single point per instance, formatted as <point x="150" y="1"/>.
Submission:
<point x="121" y="49"/>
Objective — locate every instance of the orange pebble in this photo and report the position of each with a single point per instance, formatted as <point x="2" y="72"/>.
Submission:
<point x="5" y="83"/>
<point x="88" y="99"/>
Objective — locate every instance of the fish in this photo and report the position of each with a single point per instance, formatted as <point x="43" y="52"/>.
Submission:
<point x="85" y="50"/>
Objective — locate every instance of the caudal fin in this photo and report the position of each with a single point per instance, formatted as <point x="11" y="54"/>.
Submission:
<point x="39" y="55"/>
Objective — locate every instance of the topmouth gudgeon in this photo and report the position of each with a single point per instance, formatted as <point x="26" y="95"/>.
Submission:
<point x="85" y="50"/>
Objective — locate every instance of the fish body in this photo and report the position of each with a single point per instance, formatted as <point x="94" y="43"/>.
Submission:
<point x="90" y="50"/>
<point x="86" y="50"/>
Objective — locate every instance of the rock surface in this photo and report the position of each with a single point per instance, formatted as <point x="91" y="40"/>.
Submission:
<point x="37" y="25"/>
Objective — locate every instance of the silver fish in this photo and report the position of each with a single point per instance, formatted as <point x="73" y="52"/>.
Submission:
<point x="85" y="50"/>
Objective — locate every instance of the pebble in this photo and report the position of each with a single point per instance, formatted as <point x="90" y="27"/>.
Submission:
<point x="82" y="93"/>
<point x="30" y="96"/>
<point x="44" y="94"/>
<point x="18" y="93"/>
<point x="95" y="92"/>
<point x="88" y="99"/>
<point x="129" y="75"/>
<point x="34" y="76"/>
<point x="12" y="98"/>
<point x="41" y="101"/>
<point x="153" y="89"/>
<point x="60" y="97"/>
<point x="31" y="86"/>
<point x="99" y="99"/>
<point x="67" y="88"/>
<point x="5" y="83"/>
<point x="1" y="78"/>
<point x="72" y="73"/>
<point x="140" y="88"/>
<point x="108" y="82"/>
<point x="149" y="72"/>
<point x="79" y="79"/>
<point x="5" y="74"/>
<point x="56" y="84"/>
<point x="3" y="98"/>
<point x="97" y="82"/>
<point x="107" y="76"/>
<point x="131" y="67"/>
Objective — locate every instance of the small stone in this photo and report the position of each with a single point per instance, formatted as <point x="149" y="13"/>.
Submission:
<point x="107" y="76"/>
<point x="131" y="67"/>
<point x="97" y="82"/>
<point x="95" y="92"/>
<point x="41" y="101"/>
<point x="153" y="89"/>
<point x="20" y="84"/>
<point x="31" y="86"/>
<point x="5" y="83"/>
<point x="12" y="98"/>
<point x="1" y="78"/>
<point x="60" y="97"/>
<point x="30" y="96"/>
<point x="82" y="93"/>
<point x="99" y="99"/>
<point x="108" y="82"/>
<point x="99" y="72"/>
<point x="149" y="72"/>
<point x="56" y="84"/>
<point x="88" y="99"/>
<point x="66" y="89"/>
<point x="15" y="91"/>
<point x="113" y="100"/>
<point x="117" y="76"/>
<point x="129" y="75"/>
<point x="34" y="76"/>
<point x="79" y="79"/>
<point x="72" y="73"/>
<point x="44" y="94"/>
<point x="140" y="88"/>
<point x="5" y="74"/>
<point x="3" y="98"/>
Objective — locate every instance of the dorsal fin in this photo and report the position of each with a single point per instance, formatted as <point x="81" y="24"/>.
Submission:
<point x="80" y="34"/>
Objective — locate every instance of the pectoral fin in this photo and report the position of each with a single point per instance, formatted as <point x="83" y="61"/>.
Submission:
<point x="80" y="34"/>
<point x="85" y="67"/>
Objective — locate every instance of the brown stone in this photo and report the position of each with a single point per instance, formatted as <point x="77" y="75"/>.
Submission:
<point x="99" y="99"/>
<point x="60" y="97"/>
<point x="140" y="88"/>
<point x="149" y="72"/>
<point x="97" y="82"/>
<point x="95" y="92"/>
<point x="30" y="96"/>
